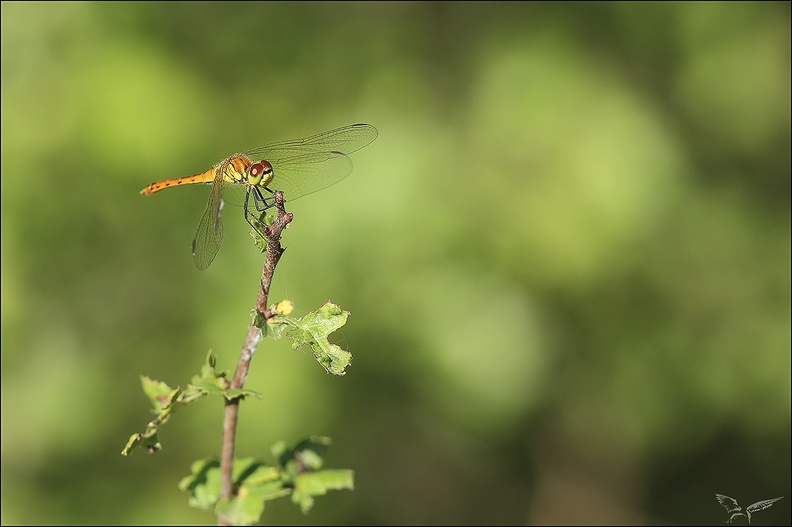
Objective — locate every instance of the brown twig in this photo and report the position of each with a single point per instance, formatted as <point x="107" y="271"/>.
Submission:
<point x="272" y="235"/>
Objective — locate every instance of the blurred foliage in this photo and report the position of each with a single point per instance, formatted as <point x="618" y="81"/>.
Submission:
<point x="299" y="473"/>
<point x="566" y="257"/>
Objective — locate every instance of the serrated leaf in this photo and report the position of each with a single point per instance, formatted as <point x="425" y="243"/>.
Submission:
<point x="159" y="393"/>
<point x="310" y="484"/>
<point x="255" y="481"/>
<point x="313" y="329"/>
<point x="243" y="509"/>
<point x="167" y="400"/>
<point x="203" y="483"/>
<point x="164" y="400"/>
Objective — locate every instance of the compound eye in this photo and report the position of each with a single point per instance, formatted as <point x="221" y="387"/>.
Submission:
<point x="255" y="173"/>
<point x="256" y="169"/>
<point x="260" y="173"/>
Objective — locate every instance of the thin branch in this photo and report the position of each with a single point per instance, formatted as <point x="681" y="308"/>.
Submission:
<point x="272" y="235"/>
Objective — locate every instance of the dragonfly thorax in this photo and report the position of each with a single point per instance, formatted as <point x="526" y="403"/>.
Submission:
<point x="235" y="168"/>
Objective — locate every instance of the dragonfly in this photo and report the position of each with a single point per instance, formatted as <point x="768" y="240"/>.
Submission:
<point x="296" y="167"/>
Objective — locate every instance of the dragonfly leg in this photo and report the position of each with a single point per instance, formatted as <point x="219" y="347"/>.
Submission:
<point x="261" y="202"/>
<point x="252" y="220"/>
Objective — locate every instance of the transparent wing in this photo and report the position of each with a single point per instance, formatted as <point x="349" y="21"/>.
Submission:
<point x="209" y="236"/>
<point x="762" y="505"/>
<point x="303" y="166"/>
<point x="298" y="176"/>
<point x="344" y="140"/>
<point x="730" y="503"/>
<point x="234" y="194"/>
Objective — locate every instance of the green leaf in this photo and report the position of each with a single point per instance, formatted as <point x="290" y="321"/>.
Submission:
<point x="167" y="400"/>
<point x="214" y="382"/>
<point x="307" y="455"/>
<point x="203" y="483"/>
<point x="241" y="394"/>
<point x="243" y="509"/>
<point x="310" y="484"/>
<point x="279" y="450"/>
<point x="263" y="219"/>
<point x="160" y="394"/>
<point x="211" y="380"/>
<point x="150" y="442"/>
<point x="255" y="482"/>
<point x="301" y="469"/>
<point x="296" y="473"/>
<point x="313" y="329"/>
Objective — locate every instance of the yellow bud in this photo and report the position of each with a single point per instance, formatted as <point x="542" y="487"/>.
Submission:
<point x="284" y="307"/>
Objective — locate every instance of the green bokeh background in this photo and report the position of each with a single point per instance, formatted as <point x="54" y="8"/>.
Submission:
<point x="566" y="256"/>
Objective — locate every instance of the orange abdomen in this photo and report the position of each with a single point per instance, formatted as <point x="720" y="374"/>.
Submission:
<point x="234" y="169"/>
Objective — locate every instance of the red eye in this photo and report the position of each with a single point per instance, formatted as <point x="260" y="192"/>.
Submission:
<point x="256" y="169"/>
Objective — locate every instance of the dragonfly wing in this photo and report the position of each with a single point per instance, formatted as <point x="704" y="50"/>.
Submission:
<point x="303" y="166"/>
<point x="300" y="175"/>
<point x="234" y="194"/>
<point x="344" y="140"/>
<point x="209" y="236"/>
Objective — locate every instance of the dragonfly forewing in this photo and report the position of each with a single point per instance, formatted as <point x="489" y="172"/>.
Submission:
<point x="344" y="140"/>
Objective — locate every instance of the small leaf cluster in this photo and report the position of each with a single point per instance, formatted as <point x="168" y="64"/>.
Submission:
<point x="167" y="400"/>
<point x="297" y="472"/>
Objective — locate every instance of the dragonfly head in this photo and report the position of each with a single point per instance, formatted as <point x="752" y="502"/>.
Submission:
<point x="260" y="174"/>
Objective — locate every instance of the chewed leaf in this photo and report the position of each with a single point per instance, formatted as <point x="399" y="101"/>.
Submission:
<point x="167" y="400"/>
<point x="160" y="394"/>
<point x="313" y="329"/>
